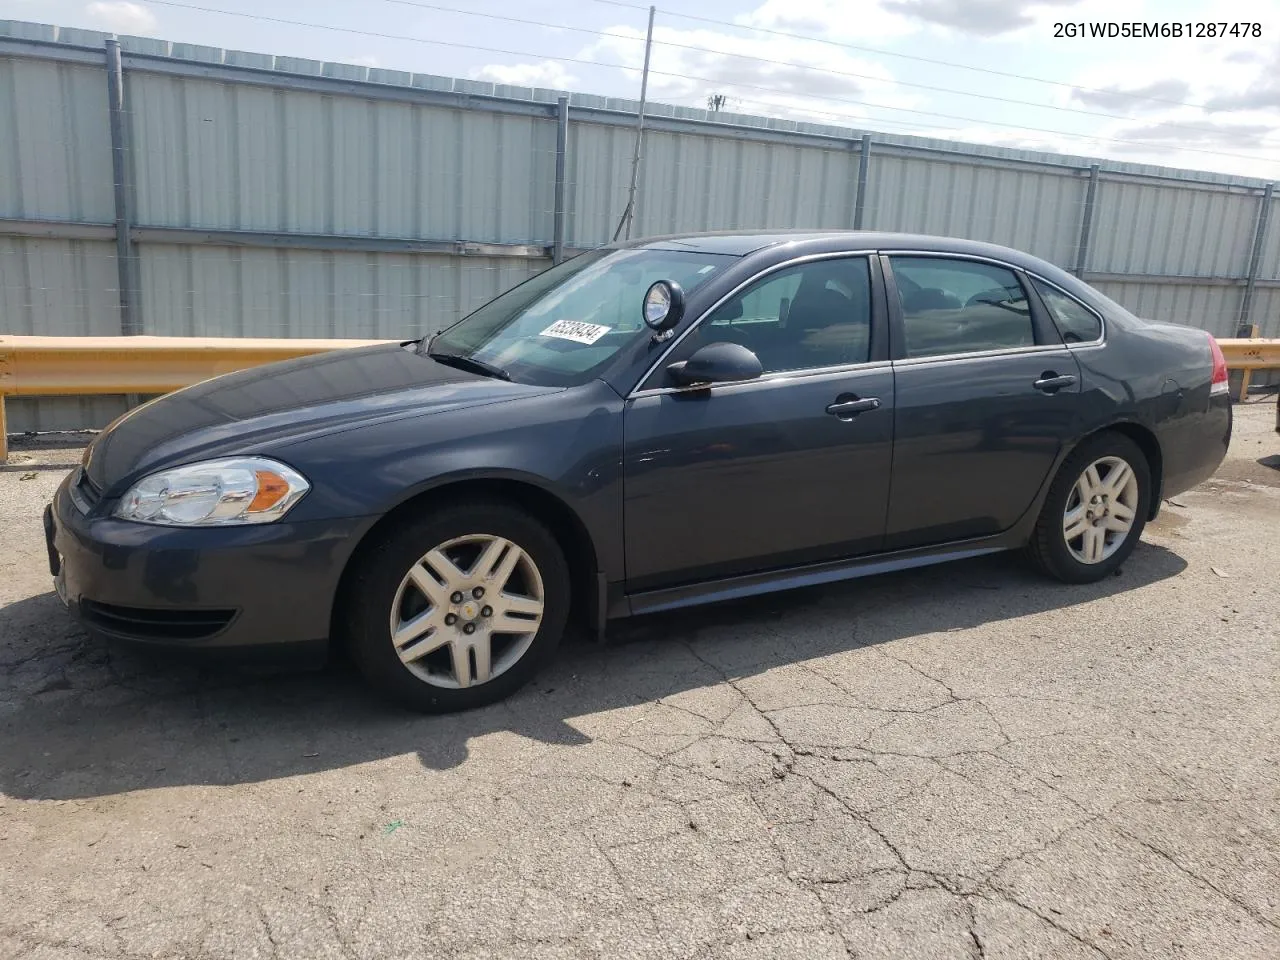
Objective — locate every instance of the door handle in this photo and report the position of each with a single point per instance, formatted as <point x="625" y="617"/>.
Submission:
<point x="1050" y="382"/>
<point x="848" y="409"/>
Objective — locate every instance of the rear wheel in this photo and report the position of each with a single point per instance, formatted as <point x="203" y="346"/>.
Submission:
<point x="1095" y="511"/>
<point x="458" y="607"/>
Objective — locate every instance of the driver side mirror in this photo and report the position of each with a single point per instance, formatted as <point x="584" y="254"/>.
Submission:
<point x="716" y="363"/>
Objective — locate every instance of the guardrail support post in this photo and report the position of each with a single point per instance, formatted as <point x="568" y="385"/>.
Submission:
<point x="562" y="149"/>
<point x="1255" y="254"/>
<point x="860" y="197"/>
<point x="124" y="214"/>
<point x="1246" y="331"/>
<point x="4" y="432"/>
<point x="1086" y="222"/>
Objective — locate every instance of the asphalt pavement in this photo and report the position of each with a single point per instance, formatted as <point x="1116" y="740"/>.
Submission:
<point x="964" y="761"/>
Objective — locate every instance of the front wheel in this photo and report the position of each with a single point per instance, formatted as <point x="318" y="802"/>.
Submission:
<point x="1095" y="511"/>
<point x="458" y="607"/>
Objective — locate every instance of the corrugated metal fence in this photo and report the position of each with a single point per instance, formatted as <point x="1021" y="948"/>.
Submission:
<point x="272" y="196"/>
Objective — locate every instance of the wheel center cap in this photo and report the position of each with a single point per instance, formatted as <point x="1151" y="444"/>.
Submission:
<point x="469" y="610"/>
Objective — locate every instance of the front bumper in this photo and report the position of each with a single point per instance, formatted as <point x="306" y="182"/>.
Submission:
<point x="269" y="585"/>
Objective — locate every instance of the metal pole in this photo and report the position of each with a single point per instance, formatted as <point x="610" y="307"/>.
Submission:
<point x="860" y="198"/>
<point x="1086" y="222"/>
<point x="562" y="147"/>
<point x="1255" y="255"/>
<point x="124" y="218"/>
<point x="625" y="223"/>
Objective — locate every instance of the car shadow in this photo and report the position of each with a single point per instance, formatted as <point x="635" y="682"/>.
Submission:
<point x="81" y="719"/>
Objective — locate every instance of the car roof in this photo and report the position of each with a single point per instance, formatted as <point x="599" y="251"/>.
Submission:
<point x="734" y="244"/>
<point x="742" y="243"/>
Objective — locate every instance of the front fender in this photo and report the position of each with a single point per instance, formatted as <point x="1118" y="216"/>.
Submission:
<point x="567" y="444"/>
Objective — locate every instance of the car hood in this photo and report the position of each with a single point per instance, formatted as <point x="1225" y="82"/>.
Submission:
<point x="240" y="412"/>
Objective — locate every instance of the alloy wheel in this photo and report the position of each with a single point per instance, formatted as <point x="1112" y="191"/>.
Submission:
<point x="1101" y="510"/>
<point x="467" y="611"/>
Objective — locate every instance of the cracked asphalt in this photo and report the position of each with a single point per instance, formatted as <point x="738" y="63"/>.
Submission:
<point x="965" y="761"/>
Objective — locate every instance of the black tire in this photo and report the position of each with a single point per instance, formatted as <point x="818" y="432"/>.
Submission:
<point x="372" y="588"/>
<point x="1048" y="548"/>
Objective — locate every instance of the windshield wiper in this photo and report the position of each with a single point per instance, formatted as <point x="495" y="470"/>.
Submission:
<point x="469" y="363"/>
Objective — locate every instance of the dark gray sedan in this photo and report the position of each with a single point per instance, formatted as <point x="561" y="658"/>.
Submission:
<point x="644" y="427"/>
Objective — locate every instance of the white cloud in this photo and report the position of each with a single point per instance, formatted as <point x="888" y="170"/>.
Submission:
<point x="828" y="78"/>
<point x="1146" y="97"/>
<point x="983" y="18"/>
<point x="548" y="73"/>
<point x="1161" y="145"/>
<point x="758" y="74"/>
<point x="867" y="21"/>
<point x="1206" y="133"/>
<point x="121" y="16"/>
<point x="1261" y="91"/>
<point x="1224" y="114"/>
<point x="871" y="22"/>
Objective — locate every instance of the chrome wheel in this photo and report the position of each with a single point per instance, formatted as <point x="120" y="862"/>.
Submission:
<point x="467" y="611"/>
<point x="1101" y="510"/>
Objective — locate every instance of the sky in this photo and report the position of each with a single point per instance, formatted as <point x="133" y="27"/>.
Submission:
<point x="983" y="71"/>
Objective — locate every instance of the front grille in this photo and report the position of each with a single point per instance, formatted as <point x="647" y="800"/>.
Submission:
<point x="141" y="623"/>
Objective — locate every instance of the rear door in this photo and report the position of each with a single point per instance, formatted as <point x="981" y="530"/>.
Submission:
<point x="986" y="397"/>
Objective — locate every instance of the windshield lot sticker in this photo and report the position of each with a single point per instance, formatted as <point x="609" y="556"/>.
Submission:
<point x="576" y="331"/>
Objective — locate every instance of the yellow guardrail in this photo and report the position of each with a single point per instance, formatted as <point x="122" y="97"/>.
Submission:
<point x="1250" y="355"/>
<point x="75" y="366"/>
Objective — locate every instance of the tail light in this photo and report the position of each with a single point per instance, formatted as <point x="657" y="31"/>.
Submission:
<point x="1218" y="382"/>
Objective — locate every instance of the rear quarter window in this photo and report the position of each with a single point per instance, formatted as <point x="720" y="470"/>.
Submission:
<point x="1076" y="322"/>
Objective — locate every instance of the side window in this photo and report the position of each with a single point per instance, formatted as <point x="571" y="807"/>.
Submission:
<point x="1076" y="322"/>
<point x="960" y="306"/>
<point x="813" y="315"/>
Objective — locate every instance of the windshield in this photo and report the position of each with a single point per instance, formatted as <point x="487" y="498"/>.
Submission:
<point x="563" y="325"/>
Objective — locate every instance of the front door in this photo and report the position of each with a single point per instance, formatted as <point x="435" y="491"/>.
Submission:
<point x="987" y="395"/>
<point x="787" y="469"/>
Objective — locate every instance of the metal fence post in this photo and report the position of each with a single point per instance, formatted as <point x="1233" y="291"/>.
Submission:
<point x="124" y="214"/>
<point x="1086" y="222"/>
<point x="860" y="198"/>
<point x="562" y="148"/>
<point x="1255" y="255"/>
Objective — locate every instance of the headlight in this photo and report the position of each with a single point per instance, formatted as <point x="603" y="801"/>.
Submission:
<point x="215" y="493"/>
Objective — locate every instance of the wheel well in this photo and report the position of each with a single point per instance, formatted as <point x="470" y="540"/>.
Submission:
<point x="564" y="524"/>
<point x="1150" y="447"/>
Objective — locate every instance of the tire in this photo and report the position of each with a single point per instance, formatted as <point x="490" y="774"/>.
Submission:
<point x="393" y="586"/>
<point x="1066" y="559"/>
